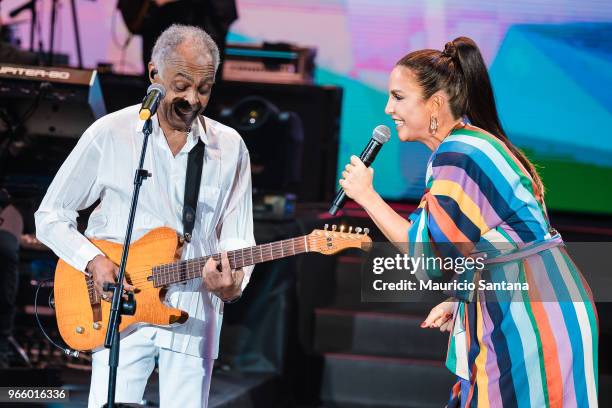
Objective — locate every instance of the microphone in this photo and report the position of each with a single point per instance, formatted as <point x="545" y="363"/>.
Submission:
<point x="380" y="135"/>
<point x="155" y="93"/>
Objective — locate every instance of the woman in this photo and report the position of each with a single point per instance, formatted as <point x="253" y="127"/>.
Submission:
<point x="536" y="352"/>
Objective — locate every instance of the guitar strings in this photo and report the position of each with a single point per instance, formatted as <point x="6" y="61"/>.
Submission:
<point x="186" y="268"/>
<point x="276" y="250"/>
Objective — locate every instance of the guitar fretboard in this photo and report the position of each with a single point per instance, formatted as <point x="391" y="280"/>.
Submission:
<point x="184" y="270"/>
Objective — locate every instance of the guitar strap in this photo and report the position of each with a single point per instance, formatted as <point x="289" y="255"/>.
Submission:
<point x="195" y="163"/>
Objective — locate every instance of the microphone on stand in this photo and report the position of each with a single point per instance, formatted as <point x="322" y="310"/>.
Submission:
<point x="380" y="136"/>
<point x="155" y="93"/>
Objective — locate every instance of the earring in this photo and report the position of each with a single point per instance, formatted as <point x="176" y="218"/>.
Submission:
<point x="433" y="125"/>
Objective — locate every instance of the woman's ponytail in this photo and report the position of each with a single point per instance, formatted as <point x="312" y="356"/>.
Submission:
<point x="460" y="71"/>
<point x="480" y="105"/>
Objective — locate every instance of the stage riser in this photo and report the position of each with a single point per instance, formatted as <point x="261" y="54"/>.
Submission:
<point x="382" y="335"/>
<point x="384" y="382"/>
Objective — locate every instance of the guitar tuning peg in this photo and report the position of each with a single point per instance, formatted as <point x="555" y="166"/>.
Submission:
<point x="326" y="227"/>
<point x="358" y="230"/>
<point x="334" y="227"/>
<point x="342" y="228"/>
<point x="350" y="231"/>
<point x="365" y="231"/>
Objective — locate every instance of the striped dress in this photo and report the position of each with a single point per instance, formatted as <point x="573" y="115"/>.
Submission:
<point x="539" y="350"/>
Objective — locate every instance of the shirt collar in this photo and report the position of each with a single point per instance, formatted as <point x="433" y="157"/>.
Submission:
<point x="197" y="129"/>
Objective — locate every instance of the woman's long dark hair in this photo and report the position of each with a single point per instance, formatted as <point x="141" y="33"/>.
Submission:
<point x="461" y="72"/>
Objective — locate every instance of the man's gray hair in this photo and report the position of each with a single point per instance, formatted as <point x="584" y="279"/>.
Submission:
<point x="175" y="35"/>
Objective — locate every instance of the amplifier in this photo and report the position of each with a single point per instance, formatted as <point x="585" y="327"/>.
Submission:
<point x="318" y="109"/>
<point x="276" y="63"/>
<point x="51" y="101"/>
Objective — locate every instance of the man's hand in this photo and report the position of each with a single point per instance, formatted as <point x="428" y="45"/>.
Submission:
<point x="104" y="270"/>
<point x="226" y="284"/>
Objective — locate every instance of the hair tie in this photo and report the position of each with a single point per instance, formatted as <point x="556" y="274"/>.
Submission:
<point x="450" y="50"/>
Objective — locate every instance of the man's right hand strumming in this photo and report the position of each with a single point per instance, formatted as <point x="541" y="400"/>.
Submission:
<point x="104" y="270"/>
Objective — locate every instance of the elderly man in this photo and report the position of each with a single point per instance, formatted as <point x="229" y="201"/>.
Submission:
<point x="101" y="166"/>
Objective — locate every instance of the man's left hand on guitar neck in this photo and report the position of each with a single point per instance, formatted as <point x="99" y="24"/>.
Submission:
<point x="226" y="283"/>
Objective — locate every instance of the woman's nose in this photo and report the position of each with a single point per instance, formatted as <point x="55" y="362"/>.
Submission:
<point x="389" y="109"/>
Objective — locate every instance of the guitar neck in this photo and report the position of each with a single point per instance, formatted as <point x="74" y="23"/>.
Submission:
<point x="184" y="270"/>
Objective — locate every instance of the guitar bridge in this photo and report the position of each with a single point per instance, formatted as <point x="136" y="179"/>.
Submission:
<point x="94" y="299"/>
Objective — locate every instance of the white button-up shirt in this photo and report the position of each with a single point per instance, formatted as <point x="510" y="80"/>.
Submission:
<point x="102" y="166"/>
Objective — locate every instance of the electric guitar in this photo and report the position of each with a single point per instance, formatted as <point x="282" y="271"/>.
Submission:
<point x="82" y="316"/>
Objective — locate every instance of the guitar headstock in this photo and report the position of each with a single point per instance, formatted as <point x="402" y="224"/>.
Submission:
<point x="330" y="241"/>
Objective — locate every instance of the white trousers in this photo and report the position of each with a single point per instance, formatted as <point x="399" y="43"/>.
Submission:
<point x="184" y="380"/>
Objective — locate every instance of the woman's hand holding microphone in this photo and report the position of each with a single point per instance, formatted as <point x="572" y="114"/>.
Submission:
<point x="357" y="181"/>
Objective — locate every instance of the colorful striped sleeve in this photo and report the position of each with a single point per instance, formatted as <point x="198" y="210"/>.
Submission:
<point x="454" y="205"/>
<point x="462" y="201"/>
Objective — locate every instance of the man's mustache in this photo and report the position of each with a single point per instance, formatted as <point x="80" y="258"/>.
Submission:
<point x="184" y="109"/>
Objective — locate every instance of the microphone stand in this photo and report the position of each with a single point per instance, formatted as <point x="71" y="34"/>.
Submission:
<point x="119" y="305"/>
<point x="52" y="33"/>
<point x="77" y="35"/>
<point x="30" y="5"/>
<point x="75" y="26"/>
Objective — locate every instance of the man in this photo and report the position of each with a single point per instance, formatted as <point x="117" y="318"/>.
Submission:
<point x="102" y="166"/>
<point x="151" y="17"/>
<point x="11" y="228"/>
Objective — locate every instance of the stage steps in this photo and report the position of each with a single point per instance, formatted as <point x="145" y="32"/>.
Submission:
<point x="375" y="354"/>
<point x="377" y="333"/>
<point x="376" y="381"/>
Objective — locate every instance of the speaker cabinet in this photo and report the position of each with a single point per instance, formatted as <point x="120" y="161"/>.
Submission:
<point x="319" y="109"/>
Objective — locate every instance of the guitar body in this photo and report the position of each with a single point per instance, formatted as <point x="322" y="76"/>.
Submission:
<point x="82" y="316"/>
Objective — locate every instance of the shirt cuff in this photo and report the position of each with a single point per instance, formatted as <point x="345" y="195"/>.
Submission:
<point x="85" y="254"/>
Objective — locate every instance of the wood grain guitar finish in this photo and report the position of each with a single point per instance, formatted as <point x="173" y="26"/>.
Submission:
<point x="82" y="315"/>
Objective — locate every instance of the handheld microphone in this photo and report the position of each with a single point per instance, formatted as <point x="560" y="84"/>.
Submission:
<point x="155" y="93"/>
<point x="380" y="135"/>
